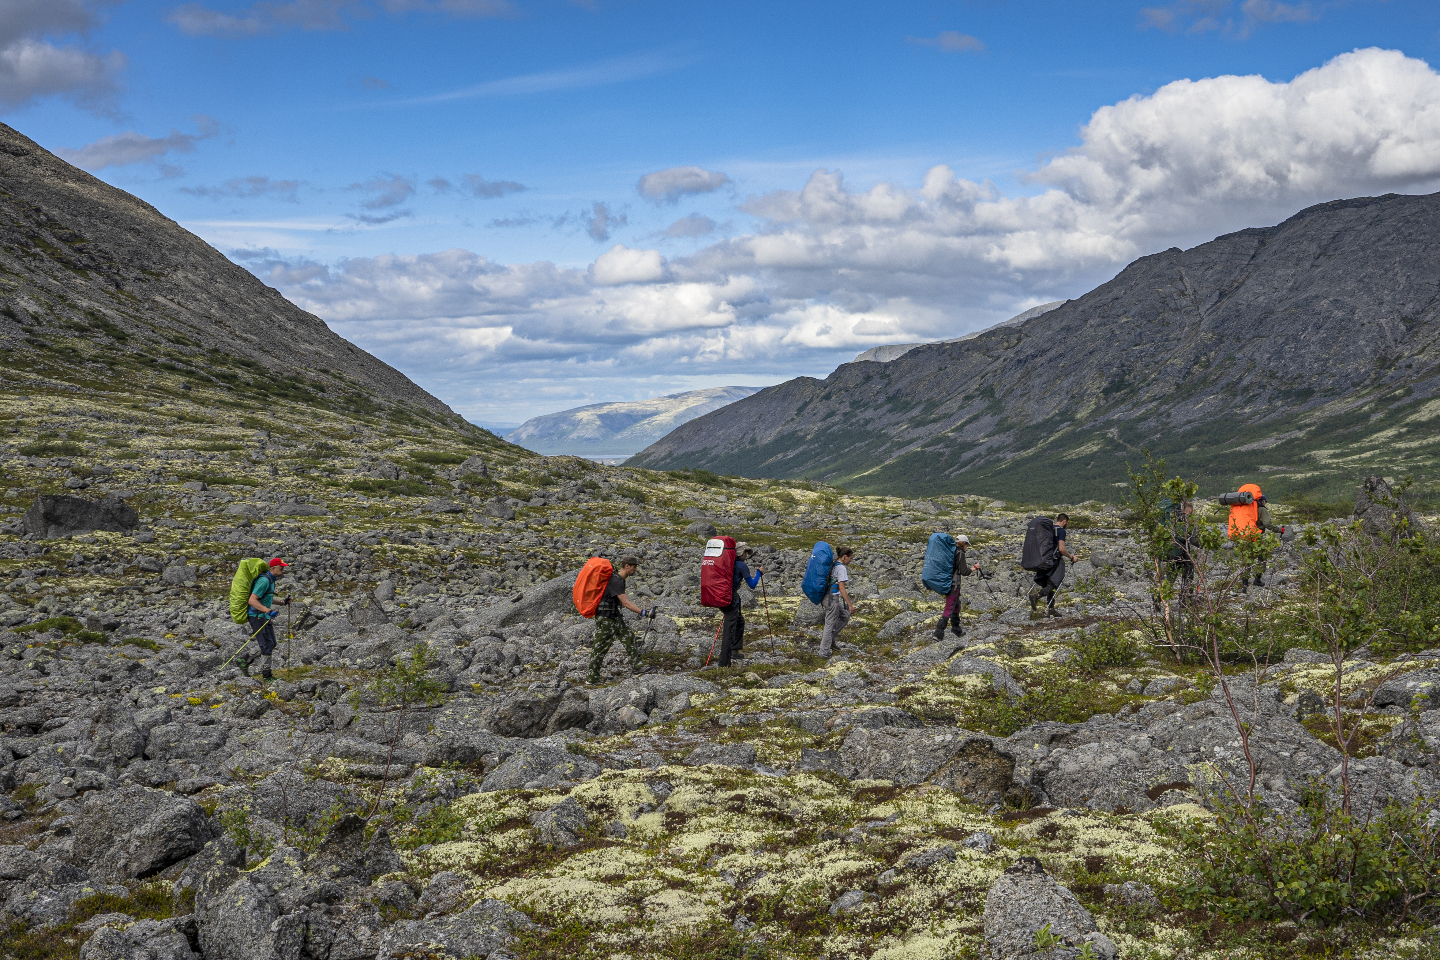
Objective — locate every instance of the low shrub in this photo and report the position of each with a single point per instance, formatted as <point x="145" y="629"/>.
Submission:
<point x="1051" y="693"/>
<point x="1110" y="645"/>
<point x="1322" y="865"/>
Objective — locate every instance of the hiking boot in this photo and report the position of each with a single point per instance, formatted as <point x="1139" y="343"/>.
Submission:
<point x="955" y="627"/>
<point x="593" y="679"/>
<point x="1034" y="598"/>
<point x="1050" y="611"/>
<point x="940" y="630"/>
<point x="267" y="674"/>
<point x="1258" y="582"/>
<point x="243" y="665"/>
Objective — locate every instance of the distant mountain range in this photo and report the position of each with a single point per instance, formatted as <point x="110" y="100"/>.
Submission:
<point x="894" y="351"/>
<point x="1303" y="356"/>
<point x="614" y="430"/>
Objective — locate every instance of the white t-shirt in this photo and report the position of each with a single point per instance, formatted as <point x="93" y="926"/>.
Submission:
<point x="840" y="575"/>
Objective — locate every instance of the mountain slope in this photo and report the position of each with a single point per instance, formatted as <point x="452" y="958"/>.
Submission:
<point x="82" y="260"/>
<point x="893" y="351"/>
<point x="1303" y="354"/>
<point x="620" y="429"/>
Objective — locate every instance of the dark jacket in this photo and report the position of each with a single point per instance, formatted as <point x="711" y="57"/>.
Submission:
<point x="962" y="568"/>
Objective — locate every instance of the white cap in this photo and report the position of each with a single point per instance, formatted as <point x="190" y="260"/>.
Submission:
<point x="963" y="539"/>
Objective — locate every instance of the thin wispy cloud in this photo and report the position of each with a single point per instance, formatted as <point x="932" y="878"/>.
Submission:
<point x="951" y="41"/>
<point x="599" y="74"/>
<point x="123" y="149"/>
<point x="1225" y="17"/>
<point x="249" y="188"/>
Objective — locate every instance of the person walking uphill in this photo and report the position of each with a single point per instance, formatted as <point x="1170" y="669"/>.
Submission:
<point x="963" y="568"/>
<point x="261" y="615"/>
<point x="1049" y="577"/>
<point x="610" y="624"/>
<point x="733" y="628"/>
<point x="839" y="608"/>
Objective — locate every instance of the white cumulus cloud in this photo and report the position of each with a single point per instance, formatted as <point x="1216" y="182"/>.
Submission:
<point x="620" y="264"/>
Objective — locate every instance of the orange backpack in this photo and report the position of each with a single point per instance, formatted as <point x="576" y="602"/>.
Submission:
<point x="590" y="585"/>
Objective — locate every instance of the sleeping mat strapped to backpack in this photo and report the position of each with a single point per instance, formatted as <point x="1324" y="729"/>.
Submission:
<point x="938" y="572"/>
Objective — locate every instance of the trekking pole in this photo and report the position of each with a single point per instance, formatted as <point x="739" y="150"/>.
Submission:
<point x="289" y="637"/>
<point x="713" y="642"/>
<point x="768" y="624"/>
<point x="243" y="645"/>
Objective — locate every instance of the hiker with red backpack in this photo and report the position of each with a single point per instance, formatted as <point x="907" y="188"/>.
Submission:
<point x="721" y="572"/>
<point x="600" y="593"/>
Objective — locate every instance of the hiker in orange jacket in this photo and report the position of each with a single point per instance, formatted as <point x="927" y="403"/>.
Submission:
<point x="1250" y="521"/>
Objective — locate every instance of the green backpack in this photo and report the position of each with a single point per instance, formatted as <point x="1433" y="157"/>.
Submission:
<point x="245" y="576"/>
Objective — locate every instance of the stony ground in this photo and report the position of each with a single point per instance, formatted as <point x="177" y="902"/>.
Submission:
<point x="485" y="801"/>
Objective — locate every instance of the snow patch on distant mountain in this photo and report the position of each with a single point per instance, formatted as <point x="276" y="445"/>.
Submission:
<point x="606" y="430"/>
<point x="890" y="351"/>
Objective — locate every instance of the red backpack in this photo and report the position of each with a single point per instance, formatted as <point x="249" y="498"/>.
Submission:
<point x="717" y="573"/>
<point x="590" y="585"/>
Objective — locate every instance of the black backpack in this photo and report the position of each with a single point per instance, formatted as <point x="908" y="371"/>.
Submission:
<point x="1041" y="548"/>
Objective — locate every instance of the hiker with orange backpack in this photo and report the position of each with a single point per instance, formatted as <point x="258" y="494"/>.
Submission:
<point x="607" y="603"/>
<point x="1249" y="519"/>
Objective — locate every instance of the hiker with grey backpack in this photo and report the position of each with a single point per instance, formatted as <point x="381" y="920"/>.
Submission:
<point x="1044" y="555"/>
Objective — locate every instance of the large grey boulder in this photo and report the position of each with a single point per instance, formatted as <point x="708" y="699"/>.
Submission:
<point x="551" y="596"/>
<point x="135" y="832"/>
<point x="978" y="767"/>
<point x="536" y="766"/>
<point x="1404" y="690"/>
<point x="1000" y="678"/>
<point x="146" y="940"/>
<point x="525" y="713"/>
<point x="1109" y="763"/>
<point x="460" y="734"/>
<point x="562" y="824"/>
<point x="1023" y="901"/>
<point x="50" y="517"/>
<point x="1378" y="509"/>
<point x="482" y="931"/>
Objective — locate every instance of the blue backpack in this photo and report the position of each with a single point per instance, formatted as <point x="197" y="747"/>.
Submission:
<point x="817" y="572"/>
<point x="938" y="573"/>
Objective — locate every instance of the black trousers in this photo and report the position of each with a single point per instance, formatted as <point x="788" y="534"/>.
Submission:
<point x="732" y="632"/>
<point x="266" y="635"/>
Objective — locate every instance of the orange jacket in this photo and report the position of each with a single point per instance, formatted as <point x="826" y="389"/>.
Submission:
<point x="1243" y="518"/>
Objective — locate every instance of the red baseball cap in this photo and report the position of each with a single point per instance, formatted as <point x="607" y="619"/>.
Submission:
<point x="277" y="562"/>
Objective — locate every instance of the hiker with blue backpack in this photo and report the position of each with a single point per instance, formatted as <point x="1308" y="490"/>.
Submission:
<point x="945" y="563"/>
<point x="838" y="606"/>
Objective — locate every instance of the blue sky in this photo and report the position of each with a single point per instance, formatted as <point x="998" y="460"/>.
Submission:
<point x="528" y="205"/>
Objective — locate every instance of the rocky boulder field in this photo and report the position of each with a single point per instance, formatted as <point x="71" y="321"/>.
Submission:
<point x="430" y="775"/>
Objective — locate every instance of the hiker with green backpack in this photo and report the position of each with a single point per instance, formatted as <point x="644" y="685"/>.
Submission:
<point x="252" y="602"/>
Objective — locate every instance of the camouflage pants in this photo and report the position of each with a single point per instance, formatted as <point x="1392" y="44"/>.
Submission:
<point x="607" y="631"/>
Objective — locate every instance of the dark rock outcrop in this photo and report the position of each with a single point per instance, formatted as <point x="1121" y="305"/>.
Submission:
<point x="63" y="516"/>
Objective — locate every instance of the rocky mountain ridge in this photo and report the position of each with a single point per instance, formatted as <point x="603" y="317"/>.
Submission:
<point x="893" y="351"/>
<point x="1305" y="354"/>
<point x="81" y="261"/>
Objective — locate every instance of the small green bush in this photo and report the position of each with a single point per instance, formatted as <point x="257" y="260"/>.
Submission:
<point x="1112" y="645"/>
<point x="1323" y="865"/>
<point x="66" y="625"/>
<point x="1051" y="693"/>
<point x="52" y="448"/>
<point x="403" y="488"/>
<point x="439" y="458"/>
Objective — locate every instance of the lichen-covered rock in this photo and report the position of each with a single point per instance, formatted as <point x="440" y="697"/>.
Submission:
<point x="972" y="764"/>
<point x="1023" y="901"/>
<point x="135" y="832"/>
<point x="562" y="824"/>
<point x="538" y="767"/>
<point x="445" y="893"/>
<point x="1404" y="690"/>
<point x="484" y="930"/>
<point x="1378" y="509"/>
<point x="146" y="940"/>
<point x="722" y="754"/>
<point x="1000" y="678"/>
